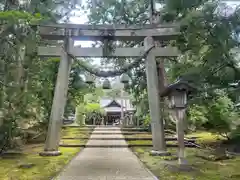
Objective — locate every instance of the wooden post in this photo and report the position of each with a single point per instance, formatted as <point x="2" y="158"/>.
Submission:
<point x="159" y="145"/>
<point x="138" y="124"/>
<point x="180" y="115"/>
<point x="83" y="120"/>
<point x="123" y="119"/>
<point x="94" y="120"/>
<point x="59" y="101"/>
<point x="152" y="11"/>
<point x="131" y="120"/>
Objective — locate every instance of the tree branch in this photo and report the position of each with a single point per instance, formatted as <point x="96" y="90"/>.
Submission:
<point x="2" y="83"/>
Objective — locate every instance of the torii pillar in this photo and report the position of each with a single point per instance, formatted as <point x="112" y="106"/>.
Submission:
<point x="158" y="137"/>
<point x="59" y="102"/>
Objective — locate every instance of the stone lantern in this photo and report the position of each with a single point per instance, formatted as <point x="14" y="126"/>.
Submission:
<point x="89" y="79"/>
<point x="106" y="84"/>
<point x="177" y="94"/>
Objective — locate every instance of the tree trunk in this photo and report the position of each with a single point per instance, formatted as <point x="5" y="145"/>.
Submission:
<point x="2" y="90"/>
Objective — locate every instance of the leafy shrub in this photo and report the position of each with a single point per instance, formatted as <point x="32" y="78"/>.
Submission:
<point x="196" y="116"/>
<point x="86" y="112"/>
<point x="222" y="116"/>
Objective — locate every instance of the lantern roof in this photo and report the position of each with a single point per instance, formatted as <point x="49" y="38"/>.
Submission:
<point x="178" y="86"/>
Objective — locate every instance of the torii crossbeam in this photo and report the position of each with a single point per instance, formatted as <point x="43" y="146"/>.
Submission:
<point x="118" y="32"/>
<point x="55" y="51"/>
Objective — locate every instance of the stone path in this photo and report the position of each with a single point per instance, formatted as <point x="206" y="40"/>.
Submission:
<point x="106" y="163"/>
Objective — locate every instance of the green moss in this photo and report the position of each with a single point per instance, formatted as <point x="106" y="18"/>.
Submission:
<point x="139" y="142"/>
<point x="143" y="135"/>
<point x="44" y="167"/>
<point x="73" y="141"/>
<point x="206" y="138"/>
<point x="75" y="133"/>
<point x="227" y="169"/>
<point x="211" y="170"/>
<point x="203" y="138"/>
<point x="147" y="142"/>
<point x="139" y="151"/>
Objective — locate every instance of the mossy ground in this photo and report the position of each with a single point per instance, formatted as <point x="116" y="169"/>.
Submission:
<point x="75" y="133"/>
<point x="44" y="167"/>
<point x="202" y="169"/>
<point x="139" y="142"/>
<point x="146" y="135"/>
<point x="143" y="142"/>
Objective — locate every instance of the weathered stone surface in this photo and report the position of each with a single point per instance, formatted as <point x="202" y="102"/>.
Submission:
<point x="84" y="32"/>
<point x="106" y="163"/>
<point x="98" y="52"/>
<point x="26" y="165"/>
<point x="50" y="153"/>
<point x="159" y="153"/>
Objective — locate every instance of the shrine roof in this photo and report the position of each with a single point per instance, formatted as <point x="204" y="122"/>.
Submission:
<point x="106" y="102"/>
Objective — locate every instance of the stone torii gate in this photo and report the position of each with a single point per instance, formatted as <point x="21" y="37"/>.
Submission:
<point x="70" y="32"/>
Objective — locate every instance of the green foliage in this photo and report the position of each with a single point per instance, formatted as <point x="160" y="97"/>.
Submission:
<point x="88" y="111"/>
<point x="235" y="134"/>
<point x="114" y="93"/>
<point x="27" y="82"/>
<point x="197" y="116"/>
<point x="93" y="111"/>
<point x="16" y="104"/>
<point x="147" y="120"/>
<point x="93" y="107"/>
<point x="14" y="16"/>
<point x="221" y="115"/>
<point x="77" y="90"/>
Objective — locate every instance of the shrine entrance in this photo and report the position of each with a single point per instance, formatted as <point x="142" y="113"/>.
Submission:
<point x="115" y="108"/>
<point x="113" y="118"/>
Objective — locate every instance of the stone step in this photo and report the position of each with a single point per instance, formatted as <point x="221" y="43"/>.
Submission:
<point x="77" y="127"/>
<point x="123" y="133"/>
<point x="130" y="130"/>
<point x="128" y="139"/>
<point x="134" y="129"/>
<point x="119" y="146"/>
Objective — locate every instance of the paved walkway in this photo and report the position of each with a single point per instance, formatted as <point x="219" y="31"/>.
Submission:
<point x="106" y="163"/>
